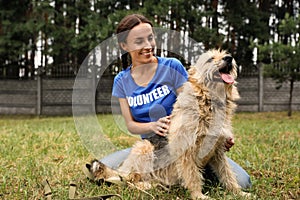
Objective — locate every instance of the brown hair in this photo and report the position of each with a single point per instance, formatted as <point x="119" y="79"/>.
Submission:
<point x="128" y="23"/>
<point x="122" y="31"/>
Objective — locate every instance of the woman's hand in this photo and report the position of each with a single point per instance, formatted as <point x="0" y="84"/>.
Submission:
<point x="229" y="143"/>
<point x="161" y="126"/>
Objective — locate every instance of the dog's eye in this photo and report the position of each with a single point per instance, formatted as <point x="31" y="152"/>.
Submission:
<point x="210" y="60"/>
<point x="228" y="59"/>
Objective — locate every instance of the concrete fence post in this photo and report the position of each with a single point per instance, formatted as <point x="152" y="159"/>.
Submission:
<point x="94" y="82"/>
<point x="39" y="92"/>
<point x="260" y="87"/>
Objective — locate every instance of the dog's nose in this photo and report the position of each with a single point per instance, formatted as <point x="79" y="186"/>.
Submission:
<point x="228" y="59"/>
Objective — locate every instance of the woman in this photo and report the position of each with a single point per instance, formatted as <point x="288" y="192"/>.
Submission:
<point x="148" y="87"/>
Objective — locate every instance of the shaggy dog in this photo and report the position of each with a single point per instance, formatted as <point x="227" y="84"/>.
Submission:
<point x="200" y="125"/>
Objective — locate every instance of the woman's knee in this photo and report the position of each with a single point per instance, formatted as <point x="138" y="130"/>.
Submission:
<point x="242" y="176"/>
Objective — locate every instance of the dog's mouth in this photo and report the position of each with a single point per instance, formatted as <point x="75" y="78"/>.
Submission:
<point x="225" y="70"/>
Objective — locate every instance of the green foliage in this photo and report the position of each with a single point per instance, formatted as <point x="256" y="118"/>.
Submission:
<point x="283" y="56"/>
<point x="11" y="23"/>
<point x="69" y="30"/>
<point x="288" y="25"/>
<point x="284" y="65"/>
<point x="246" y="20"/>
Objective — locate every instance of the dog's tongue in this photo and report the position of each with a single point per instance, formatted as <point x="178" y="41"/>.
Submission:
<point x="227" y="78"/>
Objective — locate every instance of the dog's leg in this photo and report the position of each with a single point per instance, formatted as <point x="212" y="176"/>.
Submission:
<point x="138" y="166"/>
<point x="191" y="175"/>
<point x="101" y="172"/>
<point x="225" y="174"/>
<point x="140" y="160"/>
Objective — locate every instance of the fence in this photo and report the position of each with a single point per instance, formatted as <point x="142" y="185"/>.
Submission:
<point x="48" y="96"/>
<point x="45" y="96"/>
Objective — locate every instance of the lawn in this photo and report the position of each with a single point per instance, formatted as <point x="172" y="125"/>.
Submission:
<point x="33" y="149"/>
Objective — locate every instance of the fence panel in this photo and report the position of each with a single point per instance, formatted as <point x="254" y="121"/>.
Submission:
<point x="18" y="96"/>
<point x="21" y="96"/>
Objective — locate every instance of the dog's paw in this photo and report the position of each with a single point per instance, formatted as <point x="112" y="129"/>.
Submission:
<point x="199" y="196"/>
<point x="134" y="177"/>
<point x="143" y="185"/>
<point x="87" y="171"/>
<point x="97" y="169"/>
<point x="115" y="180"/>
<point x="246" y="195"/>
<point x="101" y="171"/>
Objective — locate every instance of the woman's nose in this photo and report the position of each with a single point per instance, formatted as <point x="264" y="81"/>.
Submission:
<point x="147" y="44"/>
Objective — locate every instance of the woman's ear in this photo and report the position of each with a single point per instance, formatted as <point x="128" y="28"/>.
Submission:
<point x="123" y="45"/>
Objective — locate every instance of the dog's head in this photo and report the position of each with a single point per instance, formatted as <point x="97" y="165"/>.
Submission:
<point x="217" y="70"/>
<point x="216" y="65"/>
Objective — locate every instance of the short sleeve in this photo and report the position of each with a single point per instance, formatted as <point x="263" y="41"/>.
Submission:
<point x="118" y="90"/>
<point x="179" y="74"/>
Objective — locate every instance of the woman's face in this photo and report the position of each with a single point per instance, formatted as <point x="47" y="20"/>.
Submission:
<point x="140" y="44"/>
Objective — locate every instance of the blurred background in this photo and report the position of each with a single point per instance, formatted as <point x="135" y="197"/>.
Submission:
<point x="43" y="43"/>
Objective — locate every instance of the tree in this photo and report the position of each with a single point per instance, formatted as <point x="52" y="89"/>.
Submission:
<point x="66" y="31"/>
<point x="15" y="36"/>
<point x="284" y="56"/>
<point x="43" y="17"/>
<point x="206" y="25"/>
<point x="246" y="20"/>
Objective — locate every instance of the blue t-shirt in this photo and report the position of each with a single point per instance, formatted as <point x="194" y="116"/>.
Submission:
<point x="156" y="99"/>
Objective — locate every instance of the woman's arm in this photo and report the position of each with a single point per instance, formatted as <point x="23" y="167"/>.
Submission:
<point x="159" y="127"/>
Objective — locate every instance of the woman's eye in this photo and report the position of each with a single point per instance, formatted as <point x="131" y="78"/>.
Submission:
<point x="138" y="41"/>
<point x="150" y="38"/>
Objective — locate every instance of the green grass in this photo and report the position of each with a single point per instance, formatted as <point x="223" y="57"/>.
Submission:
<point x="33" y="149"/>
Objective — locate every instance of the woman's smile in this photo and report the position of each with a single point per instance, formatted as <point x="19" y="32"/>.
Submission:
<point x="147" y="53"/>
